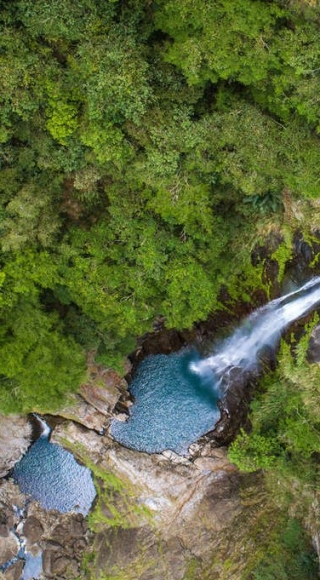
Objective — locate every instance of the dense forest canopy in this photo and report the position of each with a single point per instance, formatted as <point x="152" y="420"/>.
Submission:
<point x="145" y="148"/>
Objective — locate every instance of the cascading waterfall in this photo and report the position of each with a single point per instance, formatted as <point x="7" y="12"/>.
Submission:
<point x="45" y="428"/>
<point x="262" y="328"/>
<point x="176" y="396"/>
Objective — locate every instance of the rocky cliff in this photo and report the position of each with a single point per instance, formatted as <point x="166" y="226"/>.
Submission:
<point x="15" y="436"/>
<point x="156" y="516"/>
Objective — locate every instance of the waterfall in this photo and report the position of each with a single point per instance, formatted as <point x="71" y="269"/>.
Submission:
<point x="176" y="396"/>
<point x="260" y="329"/>
<point x="45" y="428"/>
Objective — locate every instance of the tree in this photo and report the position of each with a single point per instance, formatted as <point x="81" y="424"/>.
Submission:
<point x="220" y="40"/>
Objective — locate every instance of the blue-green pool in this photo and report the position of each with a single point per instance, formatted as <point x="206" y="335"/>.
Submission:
<point x="51" y="475"/>
<point x="173" y="405"/>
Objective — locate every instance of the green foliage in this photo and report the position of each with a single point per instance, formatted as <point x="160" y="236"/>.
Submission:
<point x="193" y="566"/>
<point x="268" y="202"/>
<point x="252" y="452"/>
<point x="63" y="20"/>
<point x="30" y="219"/>
<point x="227" y="39"/>
<point x="283" y="253"/>
<point x="285" y="422"/>
<point x="145" y="149"/>
<point x="38" y="364"/>
<point x="285" y="443"/>
<point x="289" y="557"/>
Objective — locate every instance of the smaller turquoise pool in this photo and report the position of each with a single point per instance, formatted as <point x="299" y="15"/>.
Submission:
<point x="173" y="405"/>
<point x="51" y="475"/>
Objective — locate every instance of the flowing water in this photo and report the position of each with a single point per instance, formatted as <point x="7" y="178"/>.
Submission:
<point x="51" y="475"/>
<point x="176" y="395"/>
<point x="262" y="328"/>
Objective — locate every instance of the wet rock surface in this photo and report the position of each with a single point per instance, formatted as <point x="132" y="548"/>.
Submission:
<point x="32" y="530"/>
<point x="234" y="406"/>
<point x="59" y="538"/>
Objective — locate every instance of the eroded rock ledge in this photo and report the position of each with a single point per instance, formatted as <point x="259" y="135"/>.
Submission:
<point x="15" y="437"/>
<point x="161" y="515"/>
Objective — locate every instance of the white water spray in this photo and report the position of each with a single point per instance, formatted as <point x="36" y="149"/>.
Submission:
<point x="45" y="428"/>
<point x="260" y="329"/>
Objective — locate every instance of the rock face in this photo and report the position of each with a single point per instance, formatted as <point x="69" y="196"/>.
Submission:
<point x="9" y="546"/>
<point x="15" y="436"/>
<point x="163" y="515"/>
<point x="93" y="407"/>
<point x="59" y="538"/>
<point x="233" y="406"/>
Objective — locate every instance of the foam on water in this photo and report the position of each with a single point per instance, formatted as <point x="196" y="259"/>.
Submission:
<point x="176" y="396"/>
<point x="262" y="328"/>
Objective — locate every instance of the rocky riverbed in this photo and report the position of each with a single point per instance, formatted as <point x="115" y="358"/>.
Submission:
<point x="156" y="516"/>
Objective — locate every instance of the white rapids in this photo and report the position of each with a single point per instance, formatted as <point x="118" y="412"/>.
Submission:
<point x="260" y="329"/>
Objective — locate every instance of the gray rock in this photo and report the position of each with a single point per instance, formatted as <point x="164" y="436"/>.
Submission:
<point x="9" y="548"/>
<point x="15" y="434"/>
<point x="47" y="559"/>
<point x="313" y="353"/>
<point x="32" y="529"/>
<point x="4" y="530"/>
<point x="14" y="572"/>
<point x="59" y="565"/>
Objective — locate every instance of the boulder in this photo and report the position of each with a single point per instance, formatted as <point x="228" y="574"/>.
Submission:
<point x="32" y="529"/>
<point x="14" y="572"/>
<point x="9" y="547"/>
<point x="97" y="398"/>
<point x="85" y="414"/>
<point x="104" y="399"/>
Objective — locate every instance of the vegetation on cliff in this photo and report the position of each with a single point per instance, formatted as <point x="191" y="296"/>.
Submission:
<point x="284" y="442"/>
